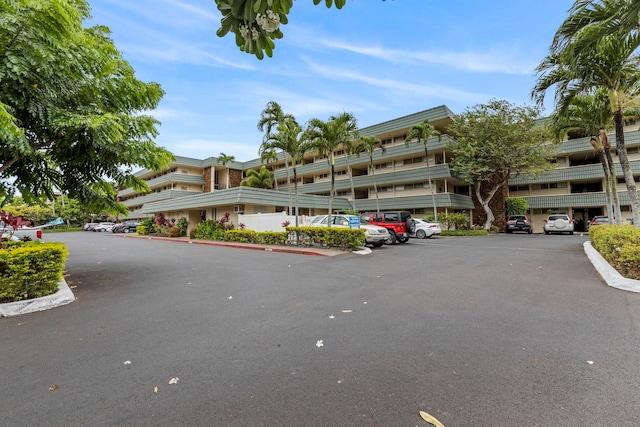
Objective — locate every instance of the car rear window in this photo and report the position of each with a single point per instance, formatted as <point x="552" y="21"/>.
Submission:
<point x="553" y="217"/>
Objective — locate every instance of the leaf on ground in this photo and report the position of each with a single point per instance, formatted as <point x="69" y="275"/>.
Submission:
<point x="174" y="380"/>
<point x="430" y="419"/>
<point x="127" y="362"/>
<point x="155" y="389"/>
<point x="54" y="387"/>
<point x="347" y="311"/>
<point x="319" y="343"/>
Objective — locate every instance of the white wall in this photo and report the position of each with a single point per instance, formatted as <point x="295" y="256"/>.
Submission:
<point x="271" y="221"/>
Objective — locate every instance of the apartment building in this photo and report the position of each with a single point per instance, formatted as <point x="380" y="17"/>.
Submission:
<point x="399" y="179"/>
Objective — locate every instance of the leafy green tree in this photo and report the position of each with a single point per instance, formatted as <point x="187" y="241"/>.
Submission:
<point x="262" y="178"/>
<point x="611" y="63"/>
<point x="495" y="141"/>
<point x="256" y="23"/>
<point x="326" y="137"/>
<point x="269" y="157"/>
<point x="369" y="144"/>
<point x="422" y="133"/>
<point x="588" y="115"/>
<point x="72" y="113"/>
<point x="224" y="160"/>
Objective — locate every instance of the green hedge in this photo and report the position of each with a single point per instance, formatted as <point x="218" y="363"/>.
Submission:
<point x="620" y="246"/>
<point x="30" y="270"/>
<point x="250" y="236"/>
<point x="341" y="238"/>
<point x="464" y="233"/>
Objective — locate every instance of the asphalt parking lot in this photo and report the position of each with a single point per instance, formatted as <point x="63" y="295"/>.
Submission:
<point x="505" y="330"/>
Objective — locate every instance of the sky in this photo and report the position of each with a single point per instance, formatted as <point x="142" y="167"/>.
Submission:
<point x="378" y="60"/>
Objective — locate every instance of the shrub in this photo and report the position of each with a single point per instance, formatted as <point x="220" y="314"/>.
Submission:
<point x="516" y="206"/>
<point x="450" y="220"/>
<point x="182" y="225"/>
<point x="476" y="232"/>
<point x="620" y="246"/>
<point x="173" y="232"/>
<point x="341" y="238"/>
<point x="30" y="270"/>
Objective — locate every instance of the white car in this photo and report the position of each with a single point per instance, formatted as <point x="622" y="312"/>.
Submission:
<point x="425" y="230"/>
<point x="374" y="235"/>
<point x="558" y="223"/>
<point x="104" y="226"/>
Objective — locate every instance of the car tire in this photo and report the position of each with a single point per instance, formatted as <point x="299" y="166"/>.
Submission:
<point x="571" y="233"/>
<point x="403" y="239"/>
<point x="392" y="239"/>
<point x="126" y="230"/>
<point x="420" y="234"/>
<point x="546" y="232"/>
<point x="378" y="244"/>
<point x="530" y="231"/>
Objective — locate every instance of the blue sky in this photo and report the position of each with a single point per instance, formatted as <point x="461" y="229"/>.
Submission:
<point x="376" y="59"/>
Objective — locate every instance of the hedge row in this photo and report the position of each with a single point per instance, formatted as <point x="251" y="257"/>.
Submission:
<point x="341" y="238"/>
<point x="620" y="246"/>
<point x="30" y="270"/>
<point x="250" y="236"/>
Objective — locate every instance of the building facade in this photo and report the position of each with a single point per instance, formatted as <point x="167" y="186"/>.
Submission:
<point x="398" y="179"/>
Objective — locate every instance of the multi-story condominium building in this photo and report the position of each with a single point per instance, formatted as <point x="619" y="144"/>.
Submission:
<point x="397" y="179"/>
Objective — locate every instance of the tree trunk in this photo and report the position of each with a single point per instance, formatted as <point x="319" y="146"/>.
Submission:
<point x="375" y="187"/>
<point x="485" y="202"/>
<point x="626" y="168"/>
<point x="333" y="188"/>
<point x="613" y="178"/>
<point x="607" y="186"/>
<point x="353" y="190"/>
<point x="433" y="197"/>
<point x="286" y="166"/>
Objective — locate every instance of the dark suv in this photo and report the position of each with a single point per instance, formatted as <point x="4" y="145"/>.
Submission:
<point x="399" y="223"/>
<point x="519" y="223"/>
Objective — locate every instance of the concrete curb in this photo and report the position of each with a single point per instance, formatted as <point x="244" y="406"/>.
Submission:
<point x="609" y="274"/>
<point x="62" y="296"/>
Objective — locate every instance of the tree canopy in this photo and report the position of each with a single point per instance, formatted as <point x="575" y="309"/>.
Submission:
<point x="495" y="141"/>
<point x="73" y="116"/>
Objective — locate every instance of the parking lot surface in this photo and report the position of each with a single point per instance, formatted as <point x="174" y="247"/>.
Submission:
<point x="504" y="330"/>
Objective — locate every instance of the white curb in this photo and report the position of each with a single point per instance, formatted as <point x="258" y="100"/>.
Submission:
<point x="608" y="273"/>
<point x="62" y="296"/>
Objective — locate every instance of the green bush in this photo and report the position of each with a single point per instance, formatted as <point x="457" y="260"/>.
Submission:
<point x="620" y="246"/>
<point x="182" y="224"/>
<point x="341" y="238"/>
<point x="30" y="270"/>
<point x="516" y="206"/>
<point x="450" y="221"/>
<point x="142" y="230"/>
<point x="173" y="232"/>
<point x="209" y="230"/>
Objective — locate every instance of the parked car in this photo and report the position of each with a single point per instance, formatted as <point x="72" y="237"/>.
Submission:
<point x="425" y="230"/>
<point x="399" y="223"/>
<point x="597" y="220"/>
<point x="374" y="235"/>
<point x="125" y="227"/>
<point x="558" y="223"/>
<point x="89" y="226"/>
<point x="104" y="226"/>
<point x="519" y="223"/>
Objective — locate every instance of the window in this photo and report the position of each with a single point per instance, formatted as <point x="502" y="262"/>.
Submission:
<point x="386" y="141"/>
<point x="383" y="165"/>
<point x="413" y="186"/>
<point x="414" y="160"/>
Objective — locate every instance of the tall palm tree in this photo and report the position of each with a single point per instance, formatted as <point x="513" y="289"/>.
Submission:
<point x="270" y="119"/>
<point x="289" y="139"/>
<point x="422" y="132"/>
<point x="369" y="145"/>
<point x="351" y="149"/>
<point x="326" y="137"/>
<point x="609" y="63"/>
<point x="262" y="178"/>
<point x="589" y="115"/>
<point x="224" y="160"/>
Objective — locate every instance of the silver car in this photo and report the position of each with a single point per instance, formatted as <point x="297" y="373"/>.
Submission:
<point x="374" y="234"/>
<point x="558" y="223"/>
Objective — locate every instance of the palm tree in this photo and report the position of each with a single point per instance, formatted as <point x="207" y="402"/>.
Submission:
<point x="589" y="115"/>
<point x="258" y="179"/>
<point x="350" y="149"/>
<point x="422" y="132"/>
<point x="609" y="63"/>
<point x="326" y="137"/>
<point x="369" y="145"/>
<point x="223" y="159"/>
<point x="270" y="119"/>
<point x="591" y="20"/>
<point x="270" y="157"/>
<point x="289" y="139"/>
